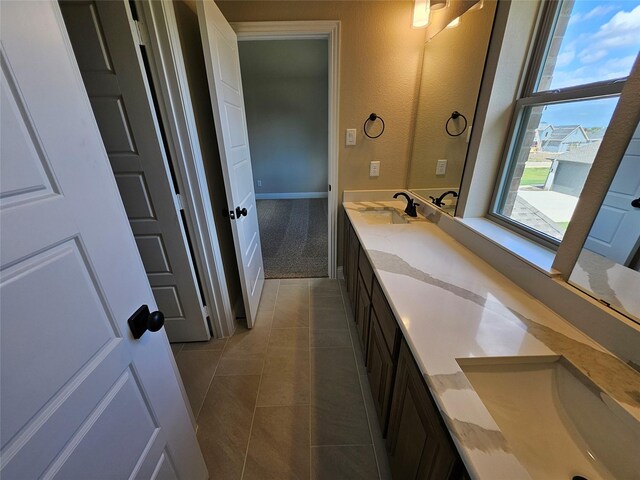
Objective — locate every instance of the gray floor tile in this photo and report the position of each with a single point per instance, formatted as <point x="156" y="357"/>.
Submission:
<point x="286" y="360"/>
<point x="380" y="448"/>
<point x="329" y="317"/>
<point x="279" y="445"/>
<point x="343" y="463"/>
<point x="248" y="341"/>
<point x="289" y="338"/>
<point x="286" y="377"/>
<point x="323" y="287"/>
<point x="337" y="409"/>
<point x="264" y="318"/>
<point x="269" y="293"/>
<point x="224" y="424"/>
<point x="292" y="308"/>
<point x="241" y="364"/>
<point x="216" y="344"/>
<point x="330" y="338"/>
<point x="290" y="387"/>
<point x="196" y="369"/>
<point x="294" y="281"/>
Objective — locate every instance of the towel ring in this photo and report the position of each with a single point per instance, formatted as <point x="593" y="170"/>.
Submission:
<point x="454" y="116"/>
<point x="372" y="118"/>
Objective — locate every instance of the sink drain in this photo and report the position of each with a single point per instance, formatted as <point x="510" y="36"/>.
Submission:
<point x="579" y="477"/>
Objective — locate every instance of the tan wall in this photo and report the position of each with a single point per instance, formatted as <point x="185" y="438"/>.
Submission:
<point x="380" y="63"/>
<point x="451" y="75"/>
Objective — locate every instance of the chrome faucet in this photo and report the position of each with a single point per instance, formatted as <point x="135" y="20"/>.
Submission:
<point x="439" y="201"/>
<point x="411" y="206"/>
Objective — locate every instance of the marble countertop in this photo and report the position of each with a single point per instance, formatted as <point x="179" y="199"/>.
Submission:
<point x="452" y="305"/>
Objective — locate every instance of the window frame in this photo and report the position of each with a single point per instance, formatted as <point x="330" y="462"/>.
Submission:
<point x="526" y="99"/>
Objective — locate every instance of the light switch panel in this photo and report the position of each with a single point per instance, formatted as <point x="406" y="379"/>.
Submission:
<point x="374" y="169"/>
<point x="441" y="167"/>
<point x="351" y="136"/>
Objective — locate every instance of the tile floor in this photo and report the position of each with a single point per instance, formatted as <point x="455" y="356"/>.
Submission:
<point x="289" y="398"/>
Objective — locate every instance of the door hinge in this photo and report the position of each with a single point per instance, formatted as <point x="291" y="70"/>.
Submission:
<point x="205" y="311"/>
<point x="329" y="187"/>
<point x="140" y="33"/>
<point x="179" y="202"/>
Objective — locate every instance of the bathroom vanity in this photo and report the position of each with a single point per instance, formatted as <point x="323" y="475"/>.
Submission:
<point x="472" y="377"/>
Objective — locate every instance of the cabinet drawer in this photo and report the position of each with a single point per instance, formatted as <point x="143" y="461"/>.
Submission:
<point x="388" y="325"/>
<point x="365" y="270"/>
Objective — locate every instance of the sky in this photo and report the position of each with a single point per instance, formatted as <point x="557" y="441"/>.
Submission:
<point x="601" y="42"/>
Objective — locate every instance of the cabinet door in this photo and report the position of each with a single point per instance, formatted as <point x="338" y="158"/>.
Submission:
<point x="354" y="249"/>
<point x="380" y="369"/>
<point x="362" y="316"/>
<point x="345" y="248"/>
<point x="418" y="443"/>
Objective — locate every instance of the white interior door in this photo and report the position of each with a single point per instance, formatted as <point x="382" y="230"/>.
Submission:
<point x="616" y="230"/>
<point x="220" y="46"/>
<point x="80" y="398"/>
<point x="109" y="58"/>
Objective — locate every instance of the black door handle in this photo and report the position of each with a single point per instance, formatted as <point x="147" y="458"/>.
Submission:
<point x="142" y="320"/>
<point x="635" y="203"/>
<point x="240" y="212"/>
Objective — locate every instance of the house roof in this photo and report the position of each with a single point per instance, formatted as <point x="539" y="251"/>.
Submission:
<point x="563" y="131"/>
<point x="585" y="153"/>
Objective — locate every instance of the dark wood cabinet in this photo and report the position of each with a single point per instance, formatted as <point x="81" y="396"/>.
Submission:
<point x="352" y="264"/>
<point x="362" y="315"/>
<point x="418" y="442"/>
<point x="380" y="370"/>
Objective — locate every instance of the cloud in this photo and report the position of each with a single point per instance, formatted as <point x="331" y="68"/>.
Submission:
<point x="598" y="11"/>
<point x="621" y="30"/>
<point x="589" y="55"/>
<point x="565" y="58"/>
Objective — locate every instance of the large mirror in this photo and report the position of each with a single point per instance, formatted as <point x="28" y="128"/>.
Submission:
<point x="452" y="70"/>
<point x="609" y="265"/>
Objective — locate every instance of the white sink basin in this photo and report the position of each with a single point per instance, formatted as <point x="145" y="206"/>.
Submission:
<point x="558" y="423"/>
<point x="383" y="216"/>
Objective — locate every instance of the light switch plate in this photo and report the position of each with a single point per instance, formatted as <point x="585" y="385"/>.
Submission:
<point x="374" y="169"/>
<point x="441" y="167"/>
<point x="351" y="136"/>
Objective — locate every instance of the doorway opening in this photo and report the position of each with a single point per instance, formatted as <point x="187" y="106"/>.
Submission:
<point x="286" y="86"/>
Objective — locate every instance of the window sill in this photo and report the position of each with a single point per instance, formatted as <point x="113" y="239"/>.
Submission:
<point x="526" y="250"/>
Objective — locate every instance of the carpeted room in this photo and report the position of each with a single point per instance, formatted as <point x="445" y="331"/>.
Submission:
<point x="285" y="85"/>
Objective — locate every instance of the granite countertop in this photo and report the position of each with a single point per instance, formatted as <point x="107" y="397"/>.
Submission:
<point x="452" y="305"/>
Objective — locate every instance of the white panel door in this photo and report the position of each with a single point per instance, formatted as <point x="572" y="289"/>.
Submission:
<point x="220" y="46"/>
<point x="79" y="397"/>
<point x="113" y="73"/>
<point x="615" y="233"/>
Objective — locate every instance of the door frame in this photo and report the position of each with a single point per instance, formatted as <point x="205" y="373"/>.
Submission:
<point x="159" y="32"/>
<point x="313" y="30"/>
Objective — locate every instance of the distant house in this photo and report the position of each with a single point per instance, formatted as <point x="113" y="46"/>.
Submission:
<point x="569" y="169"/>
<point x="540" y="135"/>
<point x="563" y="138"/>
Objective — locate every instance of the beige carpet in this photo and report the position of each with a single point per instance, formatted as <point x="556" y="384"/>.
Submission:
<point x="294" y="237"/>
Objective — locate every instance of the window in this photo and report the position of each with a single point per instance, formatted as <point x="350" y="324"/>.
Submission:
<point x="583" y="53"/>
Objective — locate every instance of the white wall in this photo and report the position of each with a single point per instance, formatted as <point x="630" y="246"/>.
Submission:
<point x="285" y="85"/>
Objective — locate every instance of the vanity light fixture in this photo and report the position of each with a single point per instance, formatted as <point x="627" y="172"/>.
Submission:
<point x="438" y="4"/>
<point x="454" y="23"/>
<point x="421" y="11"/>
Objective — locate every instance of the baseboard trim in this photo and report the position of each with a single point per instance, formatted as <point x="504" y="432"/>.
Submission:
<point x="292" y="195"/>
